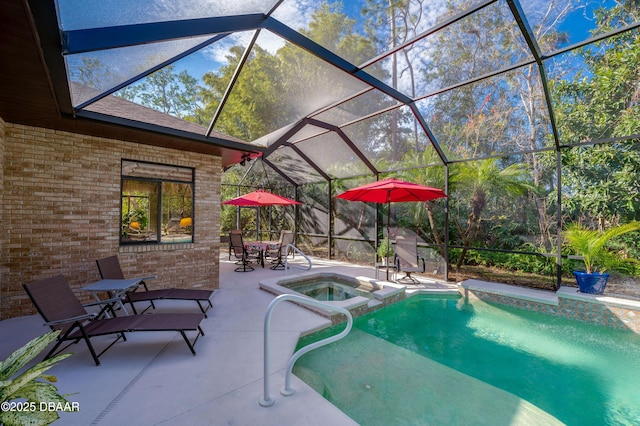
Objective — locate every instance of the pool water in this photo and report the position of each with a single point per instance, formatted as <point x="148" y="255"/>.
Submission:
<point x="438" y="360"/>
<point x="328" y="290"/>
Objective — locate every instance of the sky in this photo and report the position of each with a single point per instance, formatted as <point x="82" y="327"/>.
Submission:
<point x="297" y="14"/>
<point x="293" y="13"/>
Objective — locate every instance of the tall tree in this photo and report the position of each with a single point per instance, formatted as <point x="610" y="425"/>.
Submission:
<point x="256" y="106"/>
<point x="274" y="90"/>
<point x="527" y="82"/>
<point x="167" y="91"/>
<point x="600" y="103"/>
<point x="391" y="23"/>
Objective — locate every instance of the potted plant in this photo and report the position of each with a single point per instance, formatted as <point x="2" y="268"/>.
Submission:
<point x="139" y="218"/>
<point x="597" y="257"/>
<point x="385" y="250"/>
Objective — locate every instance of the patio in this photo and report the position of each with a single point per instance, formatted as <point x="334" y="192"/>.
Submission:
<point x="152" y="380"/>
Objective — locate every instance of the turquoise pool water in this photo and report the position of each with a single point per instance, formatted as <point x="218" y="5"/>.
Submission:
<point x="436" y="360"/>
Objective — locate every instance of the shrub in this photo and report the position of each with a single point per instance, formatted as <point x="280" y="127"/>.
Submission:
<point x="27" y="386"/>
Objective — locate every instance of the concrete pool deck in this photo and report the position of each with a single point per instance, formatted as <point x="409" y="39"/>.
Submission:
<point x="153" y="379"/>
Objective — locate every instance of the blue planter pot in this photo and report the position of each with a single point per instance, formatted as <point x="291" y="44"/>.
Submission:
<point x="591" y="283"/>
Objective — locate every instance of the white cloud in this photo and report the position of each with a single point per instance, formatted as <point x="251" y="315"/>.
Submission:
<point x="296" y="14"/>
<point x="218" y="51"/>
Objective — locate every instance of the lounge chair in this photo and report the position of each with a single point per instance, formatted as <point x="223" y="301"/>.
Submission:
<point x="109" y="268"/>
<point x="277" y="255"/>
<point x="62" y="311"/>
<point x="407" y="259"/>
<point x="243" y="257"/>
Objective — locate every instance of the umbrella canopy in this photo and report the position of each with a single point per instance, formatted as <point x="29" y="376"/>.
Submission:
<point x="391" y="190"/>
<point x="260" y="198"/>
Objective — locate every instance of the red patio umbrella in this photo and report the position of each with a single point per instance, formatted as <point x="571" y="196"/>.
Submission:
<point x="261" y="198"/>
<point x="391" y="190"/>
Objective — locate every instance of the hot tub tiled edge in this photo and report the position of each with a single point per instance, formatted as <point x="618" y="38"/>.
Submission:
<point x="386" y="293"/>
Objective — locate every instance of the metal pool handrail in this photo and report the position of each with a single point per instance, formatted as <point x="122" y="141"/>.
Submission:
<point x="266" y="401"/>
<point x="286" y="259"/>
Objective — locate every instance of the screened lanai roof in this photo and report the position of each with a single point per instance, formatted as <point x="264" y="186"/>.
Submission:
<point x="330" y="90"/>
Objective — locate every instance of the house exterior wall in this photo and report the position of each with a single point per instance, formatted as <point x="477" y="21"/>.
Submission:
<point x="60" y="212"/>
<point x="2" y="203"/>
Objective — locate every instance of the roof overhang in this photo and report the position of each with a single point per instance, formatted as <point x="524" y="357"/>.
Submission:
<point x="35" y="90"/>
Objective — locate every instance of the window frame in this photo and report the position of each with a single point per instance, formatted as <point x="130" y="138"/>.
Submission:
<point x="123" y="240"/>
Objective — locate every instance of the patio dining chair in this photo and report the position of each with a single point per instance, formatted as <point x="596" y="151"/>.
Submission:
<point x="242" y="255"/>
<point x="57" y="304"/>
<point x="110" y="268"/>
<point x="279" y="253"/>
<point x="231" y="249"/>
<point x="407" y="259"/>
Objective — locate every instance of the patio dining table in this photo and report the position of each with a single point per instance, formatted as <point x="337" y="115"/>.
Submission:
<point x="260" y="248"/>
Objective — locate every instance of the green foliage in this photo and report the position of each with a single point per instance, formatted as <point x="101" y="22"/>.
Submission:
<point x="480" y="184"/>
<point x="272" y="218"/>
<point x="486" y="118"/>
<point x="600" y="102"/>
<point x="385" y="249"/>
<point x="592" y="245"/>
<point x="602" y="181"/>
<point x="137" y="215"/>
<point x="287" y="83"/>
<point x="167" y="91"/>
<point x="27" y="386"/>
<point x="426" y="219"/>
<point x="177" y="200"/>
<point x="355" y="252"/>
<point x="527" y="258"/>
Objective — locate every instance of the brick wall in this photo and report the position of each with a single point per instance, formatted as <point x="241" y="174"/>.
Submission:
<point x="61" y="207"/>
<point x="2" y="203"/>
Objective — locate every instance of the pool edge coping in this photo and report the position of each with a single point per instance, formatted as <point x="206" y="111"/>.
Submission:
<point x="609" y="311"/>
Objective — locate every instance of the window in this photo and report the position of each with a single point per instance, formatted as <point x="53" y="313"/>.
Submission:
<point x="156" y="203"/>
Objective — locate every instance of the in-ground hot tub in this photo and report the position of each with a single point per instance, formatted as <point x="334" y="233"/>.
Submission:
<point x="329" y="289"/>
<point x="357" y="294"/>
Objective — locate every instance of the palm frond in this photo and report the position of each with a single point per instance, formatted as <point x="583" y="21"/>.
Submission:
<point x="592" y="245"/>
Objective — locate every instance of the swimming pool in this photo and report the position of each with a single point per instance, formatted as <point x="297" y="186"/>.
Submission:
<point x="439" y="360"/>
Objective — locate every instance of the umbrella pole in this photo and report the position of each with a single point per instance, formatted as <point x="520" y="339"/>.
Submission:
<point x="388" y="234"/>
<point x="258" y="223"/>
